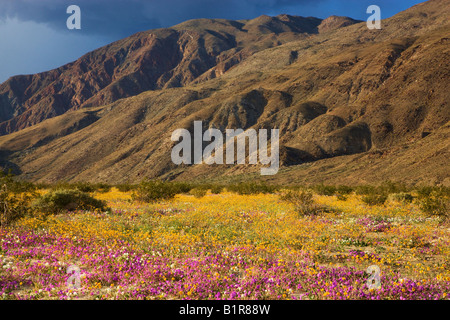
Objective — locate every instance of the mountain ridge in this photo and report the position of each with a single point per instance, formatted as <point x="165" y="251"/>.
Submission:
<point x="147" y="60"/>
<point x="346" y="101"/>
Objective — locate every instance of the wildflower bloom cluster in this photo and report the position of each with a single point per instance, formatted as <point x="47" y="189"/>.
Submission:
<point x="226" y="246"/>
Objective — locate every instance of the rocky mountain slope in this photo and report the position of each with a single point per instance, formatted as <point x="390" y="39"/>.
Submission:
<point x="150" y="60"/>
<point x="353" y="105"/>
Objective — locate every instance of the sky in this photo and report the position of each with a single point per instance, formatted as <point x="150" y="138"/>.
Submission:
<point x="34" y="36"/>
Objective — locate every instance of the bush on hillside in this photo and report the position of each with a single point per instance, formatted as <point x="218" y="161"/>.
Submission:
<point x="198" y="192"/>
<point x="13" y="206"/>
<point x="15" y="198"/>
<point x="246" y="188"/>
<point x="303" y="202"/>
<point x="56" y="201"/>
<point x="181" y="187"/>
<point x="365" y="190"/>
<point x="16" y="186"/>
<point x="155" y="190"/>
<point x="125" y="187"/>
<point x="325" y="190"/>
<point x="436" y="203"/>
<point x="403" y="197"/>
<point x="216" y="189"/>
<point x="374" y="199"/>
<point x="344" y="190"/>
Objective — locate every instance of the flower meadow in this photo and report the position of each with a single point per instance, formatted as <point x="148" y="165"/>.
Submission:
<point x="227" y="246"/>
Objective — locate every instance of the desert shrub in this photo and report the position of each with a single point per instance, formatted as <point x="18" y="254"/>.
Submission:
<point x="434" y="201"/>
<point x="43" y="186"/>
<point x="292" y="187"/>
<point x="15" y="198"/>
<point x="216" y="189"/>
<point x="125" y="187"/>
<point x="427" y="191"/>
<point x="423" y="192"/>
<point x="155" y="190"/>
<point x="182" y="187"/>
<point x="56" y="201"/>
<point x="374" y="199"/>
<point x="303" y="202"/>
<point x="401" y="197"/>
<point x="435" y="204"/>
<point x="198" y="192"/>
<point x="15" y="186"/>
<point x="62" y="185"/>
<point x="389" y="187"/>
<point x="343" y="190"/>
<point x="445" y="191"/>
<point x="102" y="187"/>
<point x="84" y="186"/>
<point x="13" y="205"/>
<point x="246" y="188"/>
<point x="325" y="190"/>
<point x="365" y="190"/>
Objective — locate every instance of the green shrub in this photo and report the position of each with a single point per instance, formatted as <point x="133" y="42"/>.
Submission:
<point x="15" y="186"/>
<point x="13" y="206"/>
<point x="43" y="186"/>
<point x="216" y="189"/>
<point x="15" y="198"/>
<point x="56" y="201"/>
<point x="303" y="202"/>
<point x="427" y="191"/>
<point x="63" y="186"/>
<point x="344" y="190"/>
<point x="102" y="187"/>
<point x="84" y="186"/>
<point x="436" y="204"/>
<point x="445" y="191"/>
<point x="125" y="187"/>
<point x="246" y="188"/>
<point x="374" y="199"/>
<point x="325" y="190"/>
<point x="434" y="201"/>
<point x="365" y="190"/>
<point x="155" y="190"/>
<point x="182" y="187"/>
<point x="401" y="197"/>
<point x="198" y="192"/>
<point x="423" y="192"/>
<point x="389" y="187"/>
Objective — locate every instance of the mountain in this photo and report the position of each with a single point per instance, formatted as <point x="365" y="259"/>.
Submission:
<point x="335" y="22"/>
<point x="353" y="105"/>
<point x="151" y="60"/>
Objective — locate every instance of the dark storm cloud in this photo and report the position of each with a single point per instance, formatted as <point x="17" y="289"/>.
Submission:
<point x="120" y="17"/>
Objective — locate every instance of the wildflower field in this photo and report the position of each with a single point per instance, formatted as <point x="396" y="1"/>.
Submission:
<point x="227" y="246"/>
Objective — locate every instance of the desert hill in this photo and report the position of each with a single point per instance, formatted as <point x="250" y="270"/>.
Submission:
<point x="353" y="105"/>
<point x="149" y="60"/>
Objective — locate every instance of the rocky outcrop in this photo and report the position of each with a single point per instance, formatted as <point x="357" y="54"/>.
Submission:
<point x="336" y="22"/>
